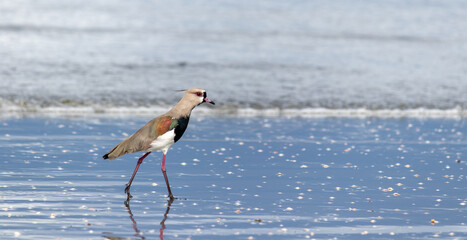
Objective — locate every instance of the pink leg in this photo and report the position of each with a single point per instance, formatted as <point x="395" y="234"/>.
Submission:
<point x="128" y="185"/>
<point x="165" y="176"/>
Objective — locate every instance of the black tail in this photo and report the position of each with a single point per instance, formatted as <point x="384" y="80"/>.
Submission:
<point x="106" y="156"/>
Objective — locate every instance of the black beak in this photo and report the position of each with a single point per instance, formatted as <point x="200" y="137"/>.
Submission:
<point x="209" y="101"/>
<point x="206" y="99"/>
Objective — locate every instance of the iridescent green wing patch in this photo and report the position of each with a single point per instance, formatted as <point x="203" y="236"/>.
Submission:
<point x="174" y="124"/>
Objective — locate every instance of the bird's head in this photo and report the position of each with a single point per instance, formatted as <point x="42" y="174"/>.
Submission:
<point x="198" y="96"/>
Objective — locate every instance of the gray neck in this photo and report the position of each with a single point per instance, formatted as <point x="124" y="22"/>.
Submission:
<point x="182" y="109"/>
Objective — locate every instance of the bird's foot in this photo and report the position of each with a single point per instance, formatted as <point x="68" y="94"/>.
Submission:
<point x="172" y="198"/>
<point x="127" y="191"/>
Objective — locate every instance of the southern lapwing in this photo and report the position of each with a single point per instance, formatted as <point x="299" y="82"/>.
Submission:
<point x="160" y="134"/>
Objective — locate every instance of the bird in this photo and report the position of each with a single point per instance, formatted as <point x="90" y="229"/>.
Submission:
<point x="160" y="134"/>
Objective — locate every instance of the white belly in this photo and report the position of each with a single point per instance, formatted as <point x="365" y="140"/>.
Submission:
<point x="163" y="142"/>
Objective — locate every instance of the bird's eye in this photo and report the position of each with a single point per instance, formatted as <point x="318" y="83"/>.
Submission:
<point x="199" y="94"/>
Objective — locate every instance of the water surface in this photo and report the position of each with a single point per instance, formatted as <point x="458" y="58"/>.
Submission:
<point x="239" y="178"/>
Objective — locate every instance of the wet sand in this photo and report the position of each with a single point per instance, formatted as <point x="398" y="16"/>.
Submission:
<point x="238" y="178"/>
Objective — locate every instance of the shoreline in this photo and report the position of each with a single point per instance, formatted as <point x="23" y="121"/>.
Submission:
<point x="116" y="112"/>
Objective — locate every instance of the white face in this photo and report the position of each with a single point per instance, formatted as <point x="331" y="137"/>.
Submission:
<point x="200" y="96"/>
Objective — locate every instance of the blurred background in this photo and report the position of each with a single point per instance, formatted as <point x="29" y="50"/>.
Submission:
<point x="98" y="56"/>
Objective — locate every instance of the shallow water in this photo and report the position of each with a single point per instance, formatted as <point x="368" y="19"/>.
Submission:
<point x="238" y="178"/>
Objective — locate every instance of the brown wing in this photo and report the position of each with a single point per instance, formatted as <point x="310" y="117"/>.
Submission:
<point x="163" y="125"/>
<point x="141" y="140"/>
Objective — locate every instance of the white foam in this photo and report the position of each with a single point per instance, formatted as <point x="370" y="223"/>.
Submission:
<point x="358" y="112"/>
<point x="12" y="109"/>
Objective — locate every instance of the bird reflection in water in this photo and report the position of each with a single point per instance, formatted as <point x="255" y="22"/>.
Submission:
<point x="169" y="203"/>
<point x="138" y="233"/>
<point x="135" y="227"/>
